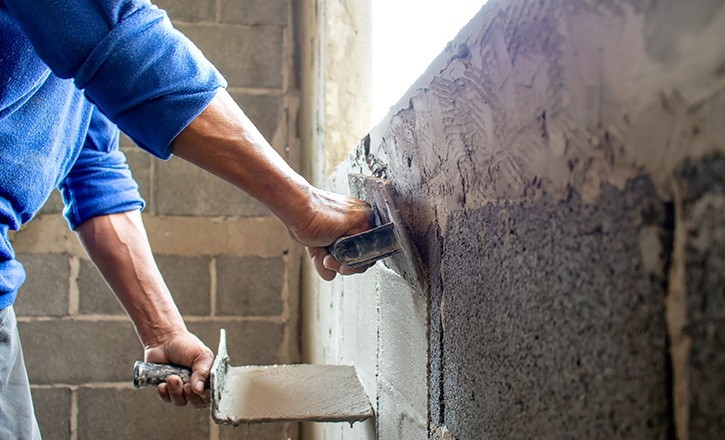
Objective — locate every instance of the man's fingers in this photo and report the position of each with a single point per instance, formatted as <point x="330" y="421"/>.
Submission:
<point x="330" y="263"/>
<point x="317" y="255"/>
<point x="163" y="391"/>
<point x="175" y="388"/>
<point x="196" y="400"/>
<point x="200" y="374"/>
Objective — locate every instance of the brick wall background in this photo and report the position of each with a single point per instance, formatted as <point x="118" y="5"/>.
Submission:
<point x="227" y="261"/>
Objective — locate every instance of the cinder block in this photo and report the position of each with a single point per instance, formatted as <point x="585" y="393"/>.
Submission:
<point x="388" y="416"/>
<point x="265" y="431"/>
<point x="53" y="411"/>
<point x="94" y="295"/>
<point x="249" y="343"/>
<point x="247" y="56"/>
<point x="359" y="324"/>
<point x="124" y="414"/>
<point x="250" y="286"/>
<point x="411" y="429"/>
<point x="254" y="12"/>
<point x="186" y="277"/>
<point x="45" y="292"/>
<point x="265" y="110"/>
<point x="140" y="163"/>
<point x="54" y="205"/>
<point x="403" y="343"/>
<point x="76" y="352"/>
<point x="188" y="281"/>
<point x="189" y="10"/>
<point x="183" y="189"/>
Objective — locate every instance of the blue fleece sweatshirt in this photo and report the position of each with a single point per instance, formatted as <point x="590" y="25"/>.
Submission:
<point x="71" y="71"/>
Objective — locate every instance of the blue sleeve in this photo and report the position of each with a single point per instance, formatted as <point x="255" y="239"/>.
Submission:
<point x="100" y="181"/>
<point x="143" y="74"/>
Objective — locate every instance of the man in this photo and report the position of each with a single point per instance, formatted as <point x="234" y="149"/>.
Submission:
<point x="70" y="71"/>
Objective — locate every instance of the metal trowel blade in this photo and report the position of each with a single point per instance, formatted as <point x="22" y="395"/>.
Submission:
<point x="276" y="393"/>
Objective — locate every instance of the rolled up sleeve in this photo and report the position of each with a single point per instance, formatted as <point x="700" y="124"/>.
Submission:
<point x="100" y="181"/>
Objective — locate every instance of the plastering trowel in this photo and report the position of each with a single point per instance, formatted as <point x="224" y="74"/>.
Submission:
<point x="274" y="393"/>
<point x="390" y="237"/>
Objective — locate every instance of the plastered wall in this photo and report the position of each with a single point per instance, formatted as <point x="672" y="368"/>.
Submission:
<point x="228" y="263"/>
<point x="560" y="167"/>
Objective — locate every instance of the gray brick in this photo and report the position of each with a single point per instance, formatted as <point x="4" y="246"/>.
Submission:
<point x="247" y="56"/>
<point x="249" y="343"/>
<point x="136" y="414"/>
<point x="45" y="292"/>
<point x="189" y="10"/>
<point x="76" y="352"/>
<point x="265" y="431"/>
<point x="183" y="189"/>
<point x="186" y="277"/>
<point x="264" y="110"/>
<point x="54" y="204"/>
<point x="95" y="297"/>
<point x="254" y="12"/>
<point x="140" y="163"/>
<point x="250" y="286"/>
<point x="403" y="343"/>
<point x="52" y="409"/>
<point x="188" y="280"/>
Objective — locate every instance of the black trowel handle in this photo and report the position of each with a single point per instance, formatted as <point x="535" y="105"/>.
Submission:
<point x="148" y="374"/>
<point x="366" y="247"/>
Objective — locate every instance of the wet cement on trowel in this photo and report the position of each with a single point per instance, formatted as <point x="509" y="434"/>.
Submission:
<point x="321" y="393"/>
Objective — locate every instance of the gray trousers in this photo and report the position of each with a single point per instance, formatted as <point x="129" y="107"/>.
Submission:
<point x="17" y="418"/>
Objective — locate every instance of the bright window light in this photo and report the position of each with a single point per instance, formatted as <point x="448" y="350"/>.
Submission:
<point x="407" y="36"/>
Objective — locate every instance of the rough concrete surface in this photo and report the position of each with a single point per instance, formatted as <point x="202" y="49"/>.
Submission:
<point x="549" y="324"/>
<point x="574" y="260"/>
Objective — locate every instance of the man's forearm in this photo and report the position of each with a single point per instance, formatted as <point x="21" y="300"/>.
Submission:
<point x="118" y="245"/>
<point x="225" y="142"/>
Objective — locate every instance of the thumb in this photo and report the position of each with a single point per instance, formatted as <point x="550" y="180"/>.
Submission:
<point x="200" y="371"/>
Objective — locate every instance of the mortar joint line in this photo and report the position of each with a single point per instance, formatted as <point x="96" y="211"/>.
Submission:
<point x="73" y="422"/>
<point x="213" y="283"/>
<point x="74" y="265"/>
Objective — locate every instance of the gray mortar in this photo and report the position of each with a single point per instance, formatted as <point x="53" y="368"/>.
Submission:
<point x="553" y="328"/>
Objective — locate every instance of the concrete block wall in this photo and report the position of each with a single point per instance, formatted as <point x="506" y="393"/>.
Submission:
<point x="560" y="168"/>
<point x="228" y="263"/>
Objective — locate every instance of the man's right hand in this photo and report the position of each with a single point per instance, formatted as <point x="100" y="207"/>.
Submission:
<point x="186" y="350"/>
<point x="331" y="216"/>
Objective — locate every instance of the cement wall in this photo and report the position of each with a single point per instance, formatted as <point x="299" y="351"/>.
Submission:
<point x="560" y="167"/>
<point x="227" y="261"/>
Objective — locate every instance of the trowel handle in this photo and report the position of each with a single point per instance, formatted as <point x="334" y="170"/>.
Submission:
<point x="366" y="247"/>
<point x="147" y="374"/>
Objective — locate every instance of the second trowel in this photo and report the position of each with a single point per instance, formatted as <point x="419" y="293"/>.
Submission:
<point x="273" y="393"/>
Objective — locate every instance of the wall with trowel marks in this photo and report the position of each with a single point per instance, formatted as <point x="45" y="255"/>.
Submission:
<point x="561" y="167"/>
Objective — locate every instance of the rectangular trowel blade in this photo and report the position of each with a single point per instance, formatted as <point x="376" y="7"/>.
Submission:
<point x="292" y="393"/>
